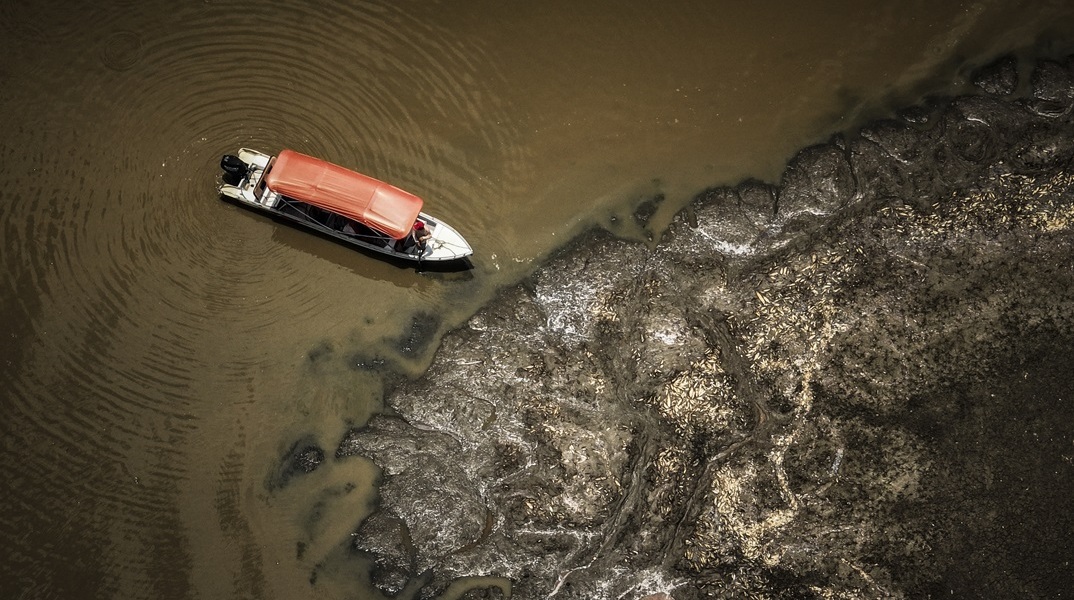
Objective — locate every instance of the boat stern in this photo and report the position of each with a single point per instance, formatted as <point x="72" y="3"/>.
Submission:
<point x="243" y="175"/>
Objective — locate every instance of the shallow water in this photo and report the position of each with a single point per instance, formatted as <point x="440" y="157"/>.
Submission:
<point x="162" y="349"/>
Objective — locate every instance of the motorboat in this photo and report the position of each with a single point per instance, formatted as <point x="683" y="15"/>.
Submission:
<point x="338" y="202"/>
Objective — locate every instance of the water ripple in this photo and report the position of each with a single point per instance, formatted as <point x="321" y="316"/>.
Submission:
<point x="145" y="301"/>
<point x="121" y="50"/>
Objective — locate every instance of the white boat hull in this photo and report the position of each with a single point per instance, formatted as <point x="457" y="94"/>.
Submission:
<point x="445" y="245"/>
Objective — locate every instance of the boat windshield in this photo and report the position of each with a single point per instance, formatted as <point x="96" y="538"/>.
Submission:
<point x="259" y="189"/>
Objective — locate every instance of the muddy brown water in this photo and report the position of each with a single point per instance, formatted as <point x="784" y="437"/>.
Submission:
<point x="162" y="349"/>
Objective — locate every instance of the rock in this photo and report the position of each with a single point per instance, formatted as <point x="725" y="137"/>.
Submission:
<point x="421" y="469"/>
<point x="1052" y="81"/>
<point x="817" y="181"/>
<point x="1052" y="89"/>
<point x="302" y="458"/>
<point x="721" y="216"/>
<point x="757" y="199"/>
<point x="999" y="78"/>
<point x="386" y="540"/>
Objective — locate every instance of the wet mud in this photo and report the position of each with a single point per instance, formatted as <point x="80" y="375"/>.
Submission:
<point x="852" y="382"/>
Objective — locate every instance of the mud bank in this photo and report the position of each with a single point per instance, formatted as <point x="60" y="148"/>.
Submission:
<point x="853" y="383"/>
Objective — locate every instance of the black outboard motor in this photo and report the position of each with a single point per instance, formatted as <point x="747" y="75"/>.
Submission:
<point x="234" y="168"/>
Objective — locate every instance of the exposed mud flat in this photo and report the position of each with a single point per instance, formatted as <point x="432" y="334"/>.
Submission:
<point x="853" y="383"/>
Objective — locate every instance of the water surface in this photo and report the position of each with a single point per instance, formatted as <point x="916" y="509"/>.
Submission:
<point x="162" y="349"/>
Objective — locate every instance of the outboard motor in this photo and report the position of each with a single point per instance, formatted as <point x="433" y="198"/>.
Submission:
<point x="234" y="168"/>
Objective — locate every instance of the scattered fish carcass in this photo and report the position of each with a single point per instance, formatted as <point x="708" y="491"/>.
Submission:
<point x="789" y="314"/>
<point x="699" y="399"/>
<point x="726" y="522"/>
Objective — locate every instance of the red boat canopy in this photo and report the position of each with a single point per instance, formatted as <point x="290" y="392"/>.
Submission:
<point x="379" y="205"/>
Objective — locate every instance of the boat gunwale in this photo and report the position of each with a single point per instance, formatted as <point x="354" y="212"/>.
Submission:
<point x="249" y="185"/>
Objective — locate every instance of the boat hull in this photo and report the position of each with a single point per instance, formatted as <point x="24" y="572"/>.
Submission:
<point x="245" y="184"/>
